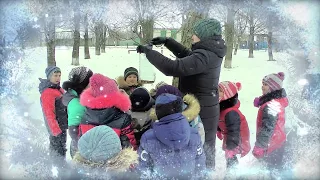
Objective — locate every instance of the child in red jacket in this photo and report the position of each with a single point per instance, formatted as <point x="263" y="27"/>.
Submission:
<point x="233" y="127"/>
<point x="54" y="112"/>
<point x="107" y="105"/>
<point x="271" y="135"/>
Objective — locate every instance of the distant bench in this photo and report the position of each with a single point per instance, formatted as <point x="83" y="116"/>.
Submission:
<point x="129" y="50"/>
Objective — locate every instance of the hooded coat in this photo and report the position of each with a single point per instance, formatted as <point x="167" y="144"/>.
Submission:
<point x="125" y="86"/>
<point x="191" y="109"/>
<point x="198" y="71"/>
<point x="270" y="134"/>
<point x="171" y="149"/>
<point x="108" y="111"/>
<point x="117" y="167"/>
<point x="54" y="112"/>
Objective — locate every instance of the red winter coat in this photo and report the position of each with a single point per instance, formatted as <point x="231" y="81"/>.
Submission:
<point x="108" y="111"/>
<point x="234" y="126"/>
<point x="271" y="121"/>
<point x="54" y="112"/>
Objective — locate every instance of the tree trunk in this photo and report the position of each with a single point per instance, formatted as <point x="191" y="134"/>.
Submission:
<point x="76" y="36"/>
<point x="50" y="40"/>
<point x="270" y="54"/>
<point x="147" y="30"/>
<point x="97" y="34"/>
<point x="251" y="35"/>
<point x="237" y="46"/>
<point x="104" y="38"/>
<point x="186" y="36"/>
<point x="229" y="38"/>
<point x="86" y="38"/>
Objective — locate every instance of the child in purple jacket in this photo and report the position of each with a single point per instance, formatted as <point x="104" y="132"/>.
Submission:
<point x="171" y="149"/>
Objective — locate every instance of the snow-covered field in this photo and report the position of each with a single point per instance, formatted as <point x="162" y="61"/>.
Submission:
<point x="112" y="63"/>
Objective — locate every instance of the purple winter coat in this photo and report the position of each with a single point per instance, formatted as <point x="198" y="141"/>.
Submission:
<point x="171" y="149"/>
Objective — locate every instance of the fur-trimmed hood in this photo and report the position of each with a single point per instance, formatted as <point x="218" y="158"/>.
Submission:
<point x="117" y="99"/>
<point x="124" y="85"/>
<point x="119" y="163"/>
<point x="190" y="112"/>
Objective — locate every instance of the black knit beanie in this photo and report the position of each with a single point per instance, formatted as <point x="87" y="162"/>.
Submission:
<point x="129" y="71"/>
<point x="78" y="79"/>
<point x="167" y="104"/>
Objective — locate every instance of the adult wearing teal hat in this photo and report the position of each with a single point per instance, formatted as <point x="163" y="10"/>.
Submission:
<point x="198" y="71"/>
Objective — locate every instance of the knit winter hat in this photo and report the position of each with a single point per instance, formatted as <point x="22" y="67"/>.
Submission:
<point x="50" y="70"/>
<point x="140" y="98"/>
<point x="229" y="89"/>
<point x="78" y="79"/>
<point x="129" y="71"/>
<point x="207" y="28"/>
<point x="100" y="143"/>
<point x="274" y="81"/>
<point x="167" y="104"/>
<point x="168" y="89"/>
<point x="101" y="85"/>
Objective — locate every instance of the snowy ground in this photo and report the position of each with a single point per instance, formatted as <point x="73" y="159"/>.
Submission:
<point x="247" y="71"/>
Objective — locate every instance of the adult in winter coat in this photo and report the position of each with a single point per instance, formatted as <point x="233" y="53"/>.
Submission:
<point x="198" y="71"/>
<point x="270" y="134"/>
<point x="78" y="81"/>
<point x="130" y="80"/>
<point x="233" y="126"/>
<point x="141" y="106"/>
<point x="171" y="148"/>
<point x="101" y="155"/>
<point x="106" y="105"/>
<point x="54" y="112"/>
<point x="191" y="108"/>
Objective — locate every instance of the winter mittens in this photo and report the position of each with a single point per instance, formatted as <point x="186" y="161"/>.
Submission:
<point x="258" y="152"/>
<point x="144" y="49"/>
<point x="159" y="40"/>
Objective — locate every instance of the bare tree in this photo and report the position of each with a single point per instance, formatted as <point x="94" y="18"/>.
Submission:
<point x="229" y="32"/>
<point x="86" y="37"/>
<point x="76" y="33"/>
<point x="48" y="14"/>
<point x="241" y="24"/>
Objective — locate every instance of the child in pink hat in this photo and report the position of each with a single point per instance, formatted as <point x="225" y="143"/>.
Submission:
<point x="270" y="134"/>
<point x="233" y="127"/>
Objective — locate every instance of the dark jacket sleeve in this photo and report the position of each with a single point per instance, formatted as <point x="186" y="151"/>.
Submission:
<point x="269" y="120"/>
<point x="196" y="63"/>
<point x="232" y="120"/>
<point x="177" y="49"/>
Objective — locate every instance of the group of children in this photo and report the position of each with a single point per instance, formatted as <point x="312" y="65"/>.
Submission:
<point x="120" y="125"/>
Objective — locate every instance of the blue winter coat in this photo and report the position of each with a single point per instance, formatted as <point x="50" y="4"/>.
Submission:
<point x="171" y="149"/>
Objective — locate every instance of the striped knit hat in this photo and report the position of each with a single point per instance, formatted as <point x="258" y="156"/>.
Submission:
<point x="129" y="71"/>
<point x="229" y="89"/>
<point x="274" y="81"/>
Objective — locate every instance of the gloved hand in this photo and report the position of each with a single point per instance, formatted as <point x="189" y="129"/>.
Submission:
<point x="219" y="135"/>
<point x="159" y="40"/>
<point x="231" y="153"/>
<point x="258" y="152"/>
<point x="143" y="49"/>
<point x="256" y="101"/>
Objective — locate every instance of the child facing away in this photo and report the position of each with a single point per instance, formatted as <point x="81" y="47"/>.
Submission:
<point x="130" y="80"/>
<point x="77" y="82"/>
<point x="270" y="134"/>
<point x="171" y="148"/>
<point x="107" y="105"/>
<point x="233" y="127"/>
<point x="140" y="111"/>
<point x="101" y="154"/>
<point x="191" y="108"/>
<point x="54" y="112"/>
